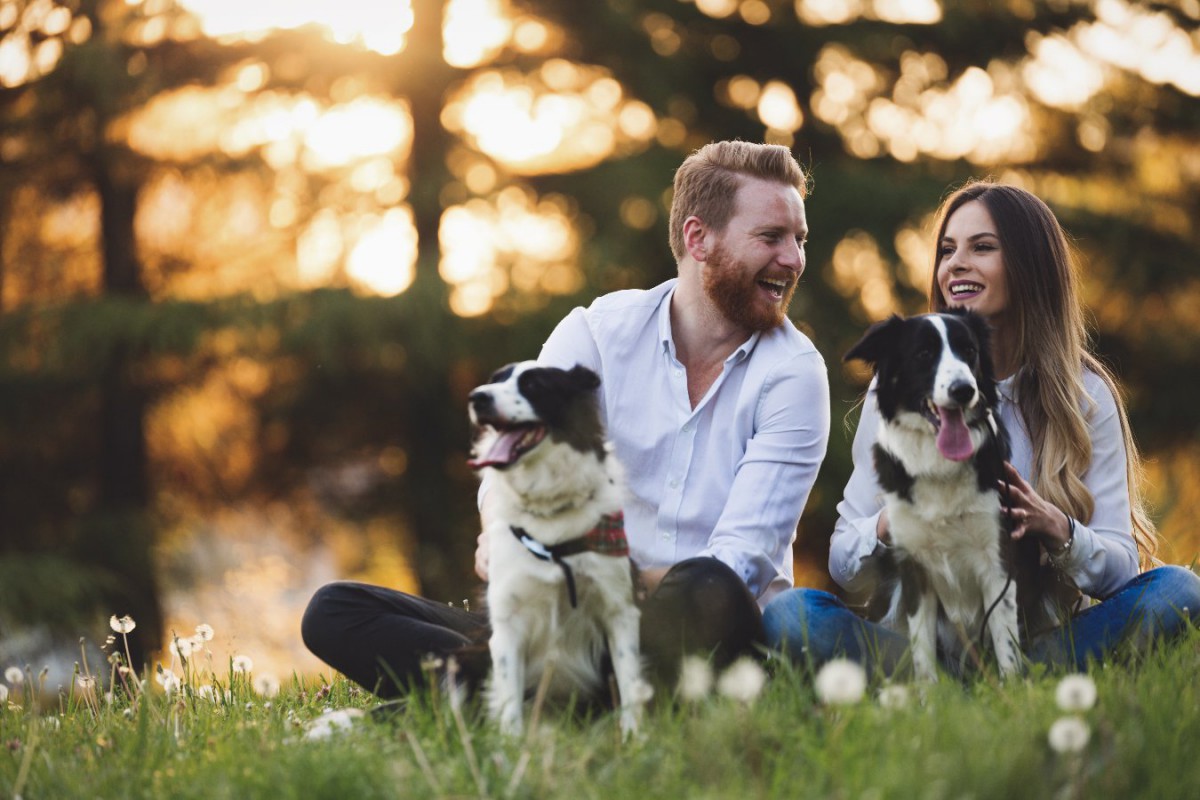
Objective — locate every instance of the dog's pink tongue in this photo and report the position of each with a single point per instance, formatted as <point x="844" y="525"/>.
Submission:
<point x="954" y="440"/>
<point x="503" y="450"/>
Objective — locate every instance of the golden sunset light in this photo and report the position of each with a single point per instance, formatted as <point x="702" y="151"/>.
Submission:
<point x="516" y="241"/>
<point x="842" y="12"/>
<point x="378" y="26"/>
<point x="564" y="117"/>
<point x="977" y="117"/>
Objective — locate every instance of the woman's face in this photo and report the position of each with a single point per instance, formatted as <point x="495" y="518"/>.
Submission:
<point x="970" y="272"/>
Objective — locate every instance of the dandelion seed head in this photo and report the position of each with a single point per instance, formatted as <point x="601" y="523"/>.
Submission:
<point x="206" y="692"/>
<point x="122" y="625"/>
<point x="331" y="722"/>
<point x="266" y="685"/>
<point x="1069" y="734"/>
<point x="85" y="682"/>
<point x="695" y="678"/>
<point x="169" y="681"/>
<point x="204" y="632"/>
<point x="743" y="680"/>
<point x="3" y="693"/>
<point x="894" y="696"/>
<point x="182" y="647"/>
<point x="14" y="675"/>
<point x="242" y="664"/>
<point x="1075" y="693"/>
<point x="840" y="682"/>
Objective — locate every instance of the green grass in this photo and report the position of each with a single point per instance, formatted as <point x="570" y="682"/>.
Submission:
<point x="951" y="741"/>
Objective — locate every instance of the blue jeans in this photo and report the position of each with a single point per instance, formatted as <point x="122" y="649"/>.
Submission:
<point x="812" y="627"/>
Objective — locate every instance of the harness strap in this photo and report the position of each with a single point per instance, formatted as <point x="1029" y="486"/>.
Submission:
<point x="606" y="538"/>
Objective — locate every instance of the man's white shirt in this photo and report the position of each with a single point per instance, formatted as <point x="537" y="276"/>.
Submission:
<point x="728" y="478"/>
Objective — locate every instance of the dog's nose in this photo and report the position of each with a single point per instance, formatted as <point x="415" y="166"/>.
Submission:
<point x="962" y="392"/>
<point x="480" y="400"/>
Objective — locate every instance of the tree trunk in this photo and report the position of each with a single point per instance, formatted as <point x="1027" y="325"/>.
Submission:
<point x="120" y="540"/>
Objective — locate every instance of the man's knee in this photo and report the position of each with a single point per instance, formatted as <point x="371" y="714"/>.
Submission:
<point x="701" y="608"/>
<point x="318" y="626"/>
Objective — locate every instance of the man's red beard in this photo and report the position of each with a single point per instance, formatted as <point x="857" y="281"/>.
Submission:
<point x="737" y="294"/>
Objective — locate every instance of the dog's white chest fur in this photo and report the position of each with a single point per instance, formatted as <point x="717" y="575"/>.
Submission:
<point x="553" y="480"/>
<point x="939" y="453"/>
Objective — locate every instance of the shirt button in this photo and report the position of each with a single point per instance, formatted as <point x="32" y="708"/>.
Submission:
<point x="687" y="427"/>
<point x="666" y="536"/>
<point x="674" y="484"/>
<point x="678" y="373"/>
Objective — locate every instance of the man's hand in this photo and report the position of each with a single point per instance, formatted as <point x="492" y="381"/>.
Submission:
<point x="650" y="578"/>
<point x="481" y="555"/>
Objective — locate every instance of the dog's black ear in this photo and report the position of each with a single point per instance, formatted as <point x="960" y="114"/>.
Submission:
<point x="502" y="374"/>
<point x="879" y="340"/>
<point x="981" y="329"/>
<point x="583" y="378"/>
<point x="978" y="324"/>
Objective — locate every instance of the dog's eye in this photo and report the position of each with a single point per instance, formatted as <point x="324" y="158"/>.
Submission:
<point x="970" y="353"/>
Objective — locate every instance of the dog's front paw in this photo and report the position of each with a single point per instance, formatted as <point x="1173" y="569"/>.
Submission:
<point x="511" y="722"/>
<point x="630" y="722"/>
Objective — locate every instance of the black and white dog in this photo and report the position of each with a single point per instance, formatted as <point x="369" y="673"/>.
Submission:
<point x="560" y="582"/>
<point x="952" y="567"/>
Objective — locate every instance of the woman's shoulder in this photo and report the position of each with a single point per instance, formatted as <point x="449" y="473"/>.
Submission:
<point x="1101" y="393"/>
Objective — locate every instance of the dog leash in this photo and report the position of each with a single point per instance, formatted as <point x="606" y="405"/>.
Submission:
<point x="607" y="538"/>
<point x="993" y="429"/>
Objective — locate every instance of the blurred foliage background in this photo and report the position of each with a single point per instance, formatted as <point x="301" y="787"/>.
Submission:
<point x="254" y="254"/>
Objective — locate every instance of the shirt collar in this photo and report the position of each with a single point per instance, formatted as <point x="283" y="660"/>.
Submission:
<point x="743" y="350"/>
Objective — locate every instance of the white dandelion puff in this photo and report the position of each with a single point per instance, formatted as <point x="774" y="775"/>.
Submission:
<point x="85" y="683"/>
<point x="123" y="624"/>
<point x="181" y="647"/>
<point x="894" y="696"/>
<point x="169" y="681"/>
<point x="695" y="678"/>
<point x="266" y="685"/>
<point x="14" y="675"/>
<point x="207" y="692"/>
<point x="1075" y="693"/>
<point x="840" y="682"/>
<point x="204" y="632"/>
<point x="742" y="681"/>
<point x="1069" y="734"/>
<point x="242" y="664"/>
<point x="3" y="693"/>
<point x="331" y="722"/>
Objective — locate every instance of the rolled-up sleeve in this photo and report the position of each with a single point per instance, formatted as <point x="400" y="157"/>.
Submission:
<point x="1103" y="556"/>
<point x="774" y="478"/>
<point x="854" y="540"/>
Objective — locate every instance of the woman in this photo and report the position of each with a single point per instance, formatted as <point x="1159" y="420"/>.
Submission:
<point x="1074" y="472"/>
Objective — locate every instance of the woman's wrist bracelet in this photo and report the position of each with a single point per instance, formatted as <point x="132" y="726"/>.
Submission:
<point x="1058" y="559"/>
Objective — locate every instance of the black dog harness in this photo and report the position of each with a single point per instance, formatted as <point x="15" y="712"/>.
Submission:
<point x="607" y="539"/>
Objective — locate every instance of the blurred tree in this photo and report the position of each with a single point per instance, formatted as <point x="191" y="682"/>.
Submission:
<point x="196" y="217"/>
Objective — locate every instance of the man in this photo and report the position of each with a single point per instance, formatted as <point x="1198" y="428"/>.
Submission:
<point x="718" y="409"/>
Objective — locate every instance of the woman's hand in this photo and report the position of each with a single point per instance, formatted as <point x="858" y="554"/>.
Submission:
<point x="882" y="532"/>
<point x="1031" y="514"/>
<point x="481" y="555"/>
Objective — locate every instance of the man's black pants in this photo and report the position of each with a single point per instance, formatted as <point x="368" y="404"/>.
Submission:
<point x="380" y="637"/>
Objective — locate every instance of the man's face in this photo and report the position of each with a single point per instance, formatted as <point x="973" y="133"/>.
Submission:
<point x="753" y="266"/>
